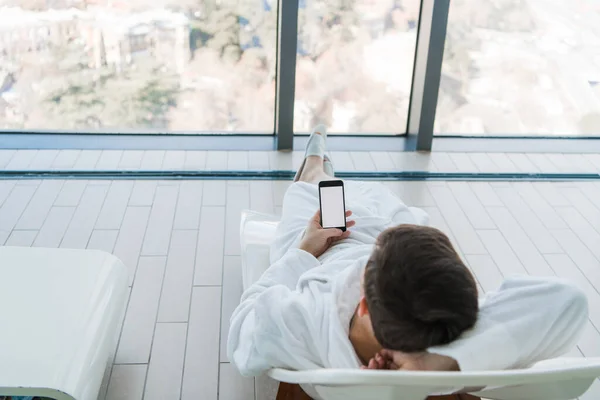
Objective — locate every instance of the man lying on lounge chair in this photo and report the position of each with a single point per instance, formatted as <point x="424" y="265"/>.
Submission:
<point x="388" y="293"/>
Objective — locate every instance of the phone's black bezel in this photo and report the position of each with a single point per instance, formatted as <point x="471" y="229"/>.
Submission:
<point x="323" y="184"/>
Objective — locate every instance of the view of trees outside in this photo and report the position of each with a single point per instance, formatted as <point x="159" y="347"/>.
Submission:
<point x="521" y="67"/>
<point x="511" y="67"/>
<point x="355" y="65"/>
<point x="137" y="66"/>
<point x="201" y="65"/>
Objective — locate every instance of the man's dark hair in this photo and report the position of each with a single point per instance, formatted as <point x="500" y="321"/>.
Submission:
<point x="418" y="291"/>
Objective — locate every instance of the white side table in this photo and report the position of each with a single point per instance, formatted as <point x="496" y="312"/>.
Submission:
<point x="60" y="312"/>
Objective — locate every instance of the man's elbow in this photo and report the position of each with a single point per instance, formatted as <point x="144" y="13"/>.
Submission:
<point x="575" y="303"/>
<point x="244" y="365"/>
<point x="241" y="345"/>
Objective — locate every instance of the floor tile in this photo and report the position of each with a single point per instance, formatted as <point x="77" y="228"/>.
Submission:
<point x="21" y="160"/>
<point x="238" y="199"/>
<point x="189" y="205"/>
<point x="43" y="160"/>
<point x="66" y="159"/>
<point x="166" y="363"/>
<point x="160" y="223"/>
<point x="216" y="161"/>
<point x="5" y="188"/>
<point x="179" y="277"/>
<point x="131" y="159"/>
<point x="501" y="253"/>
<point x="195" y="160"/>
<point x="484" y="163"/>
<point x="232" y="292"/>
<point x="486" y="194"/>
<point x="504" y="163"/>
<point x="261" y="197"/>
<point x="21" y="238"/>
<point x="232" y="386"/>
<point x="486" y="270"/>
<point x="443" y="162"/>
<point x="201" y="373"/>
<point x="131" y="237"/>
<point x="152" y="160"/>
<point x="543" y="163"/>
<point x="342" y="161"/>
<point x="362" y="160"/>
<point x="34" y="215"/>
<point x="109" y="160"/>
<point x="115" y="205"/>
<point x="518" y="240"/>
<point x="70" y="194"/>
<point x="138" y="328"/>
<point x="471" y="205"/>
<point x="463" y="162"/>
<point x="382" y="161"/>
<point x="214" y="193"/>
<point x="54" y="227"/>
<point x="87" y="160"/>
<point x="259" y="160"/>
<point x="528" y="220"/>
<point x="174" y="160"/>
<point x="462" y="229"/>
<point x="551" y="193"/>
<point x="211" y="243"/>
<point x="143" y="193"/>
<point x="84" y="218"/>
<point x="103" y="240"/>
<point x="539" y="206"/>
<point x="127" y="382"/>
<point x="5" y="157"/>
<point x="237" y="160"/>
<point x="582" y="228"/>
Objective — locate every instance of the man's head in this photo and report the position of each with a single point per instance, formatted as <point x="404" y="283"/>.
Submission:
<point x="417" y="291"/>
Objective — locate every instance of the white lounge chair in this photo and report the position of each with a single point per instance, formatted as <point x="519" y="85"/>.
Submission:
<point x="557" y="379"/>
<point x="60" y="312"/>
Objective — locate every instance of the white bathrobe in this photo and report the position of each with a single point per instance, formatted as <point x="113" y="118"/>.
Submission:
<point x="297" y="315"/>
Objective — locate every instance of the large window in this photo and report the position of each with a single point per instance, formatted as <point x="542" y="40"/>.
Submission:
<point x="521" y="67"/>
<point x="355" y="64"/>
<point x="138" y="66"/>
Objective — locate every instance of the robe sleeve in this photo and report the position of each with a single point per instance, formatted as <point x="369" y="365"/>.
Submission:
<point x="274" y="324"/>
<point x="527" y="320"/>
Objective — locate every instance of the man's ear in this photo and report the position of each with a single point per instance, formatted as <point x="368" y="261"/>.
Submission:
<point x="362" y="307"/>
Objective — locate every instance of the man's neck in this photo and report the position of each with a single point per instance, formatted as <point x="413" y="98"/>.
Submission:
<point x="362" y="339"/>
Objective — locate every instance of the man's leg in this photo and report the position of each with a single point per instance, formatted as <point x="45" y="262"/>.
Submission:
<point x="313" y="170"/>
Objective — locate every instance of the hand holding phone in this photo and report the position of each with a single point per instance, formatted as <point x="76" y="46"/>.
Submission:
<point x="329" y="224"/>
<point x="317" y="240"/>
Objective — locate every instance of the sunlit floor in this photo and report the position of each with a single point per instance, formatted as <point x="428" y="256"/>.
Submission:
<point x="180" y="242"/>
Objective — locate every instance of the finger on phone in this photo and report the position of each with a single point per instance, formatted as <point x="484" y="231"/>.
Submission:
<point x="343" y="236"/>
<point x="348" y="213"/>
<point x="350" y="224"/>
<point x="332" y="233"/>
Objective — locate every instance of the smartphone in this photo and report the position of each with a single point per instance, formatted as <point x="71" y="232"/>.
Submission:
<point x="333" y="204"/>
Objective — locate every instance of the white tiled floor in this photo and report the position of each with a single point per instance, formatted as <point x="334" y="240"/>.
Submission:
<point x="107" y="160"/>
<point x="180" y="241"/>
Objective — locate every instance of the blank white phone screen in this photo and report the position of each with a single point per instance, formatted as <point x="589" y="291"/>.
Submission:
<point x="332" y="207"/>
